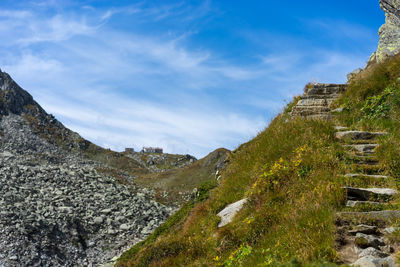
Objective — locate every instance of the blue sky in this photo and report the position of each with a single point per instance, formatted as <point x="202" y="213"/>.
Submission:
<point x="189" y="76"/>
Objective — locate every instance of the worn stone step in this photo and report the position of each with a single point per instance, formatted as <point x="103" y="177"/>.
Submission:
<point x="363" y="160"/>
<point x="329" y="97"/>
<point x="312" y="102"/>
<point x="363" y="148"/>
<point x="357" y="203"/>
<point x="325" y="89"/>
<point x="368" y="217"/>
<point x="365" y="194"/>
<point x="358" y="135"/>
<point x="361" y="175"/>
<point x="309" y="110"/>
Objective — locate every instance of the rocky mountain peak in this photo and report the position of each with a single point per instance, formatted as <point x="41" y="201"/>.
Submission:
<point x="14" y="99"/>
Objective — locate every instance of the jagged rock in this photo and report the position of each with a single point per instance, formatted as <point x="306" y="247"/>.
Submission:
<point x="371" y="251"/>
<point x="371" y="261"/>
<point x="365" y="241"/>
<point x="229" y="212"/>
<point x="353" y="74"/>
<point x="391" y="230"/>
<point x="365" y="229"/>
<point x="338" y="110"/>
<point x="389" y="33"/>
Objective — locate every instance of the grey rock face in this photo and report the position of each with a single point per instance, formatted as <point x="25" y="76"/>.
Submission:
<point x="365" y="241"/>
<point x="371" y="261"/>
<point x="371" y="251"/>
<point x="389" y="33"/>
<point x="353" y="74"/>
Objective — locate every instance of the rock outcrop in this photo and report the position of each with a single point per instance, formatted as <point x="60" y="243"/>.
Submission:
<point x="389" y="33"/>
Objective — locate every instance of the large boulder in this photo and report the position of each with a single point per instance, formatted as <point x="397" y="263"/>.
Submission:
<point x="389" y="33"/>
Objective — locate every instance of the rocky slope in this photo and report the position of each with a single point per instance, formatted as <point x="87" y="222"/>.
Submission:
<point x="57" y="207"/>
<point x="389" y="33"/>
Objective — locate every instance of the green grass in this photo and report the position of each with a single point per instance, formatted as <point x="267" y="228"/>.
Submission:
<point x="294" y="218"/>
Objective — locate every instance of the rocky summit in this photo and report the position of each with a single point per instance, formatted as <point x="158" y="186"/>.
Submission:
<point x="59" y="208"/>
<point x="389" y="33"/>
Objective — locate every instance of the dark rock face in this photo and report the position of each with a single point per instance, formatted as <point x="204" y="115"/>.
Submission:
<point x="389" y="33"/>
<point x="13" y="98"/>
<point x="58" y="208"/>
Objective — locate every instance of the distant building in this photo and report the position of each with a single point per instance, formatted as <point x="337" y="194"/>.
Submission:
<point x="152" y="150"/>
<point x="129" y="150"/>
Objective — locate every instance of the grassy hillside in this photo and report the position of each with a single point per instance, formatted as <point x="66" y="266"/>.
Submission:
<point x="291" y="175"/>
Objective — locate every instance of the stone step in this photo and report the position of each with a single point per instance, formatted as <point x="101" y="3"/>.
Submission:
<point x="361" y="175"/>
<point x="358" y="135"/>
<point x="368" y="217"/>
<point x="363" y="160"/>
<point x="305" y="111"/>
<point x="357" y="203"/>
<point x="364" y="229"/>
<point x="363" y="148"/>
<point x="331" y="97"/>
<point x="325" y="89"/>
<point x="365" y="194"/>
<point x="312" y="102"/>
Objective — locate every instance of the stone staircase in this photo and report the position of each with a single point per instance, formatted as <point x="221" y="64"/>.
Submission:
<point x="363" y="225"/>
<point x="317" y="100"/>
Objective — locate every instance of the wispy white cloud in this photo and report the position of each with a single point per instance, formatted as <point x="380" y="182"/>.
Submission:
<point x="340" y="29"/>
<point x="135" y="123"/>
<point x="58" y="28"/>
<point x="132" y="88"/>
<point x="15" y="14"/>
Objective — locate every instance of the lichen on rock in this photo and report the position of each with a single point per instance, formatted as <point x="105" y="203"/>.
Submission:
<point x="389" y="33"/>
